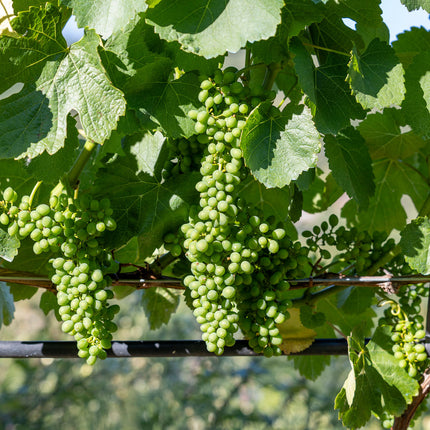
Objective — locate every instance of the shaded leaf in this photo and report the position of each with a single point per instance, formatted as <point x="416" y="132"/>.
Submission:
<point x="168" y="103"/>
<point x="272" y="201"/>
<point x="159" y="304"/>
<point x="411" y="43"/>
<point x="143" y="205"/>
<point x="327" y="89"/>
<point x="386" y="136"/>
<point x="296" y="16"/>
<point x="350" y="164"/>
<point x="48" y="302"/>
<point x="376" y="76"/>
<point x="393" y="179"/>
<point x="311" y="367"/>
<point x="7" y="307"/>
<point x="321" y="194"/>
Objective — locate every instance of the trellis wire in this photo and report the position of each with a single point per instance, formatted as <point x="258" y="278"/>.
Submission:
<point x="196" y="348"/>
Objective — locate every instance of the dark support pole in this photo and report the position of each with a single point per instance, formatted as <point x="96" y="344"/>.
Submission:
<point x="165" y="348"/>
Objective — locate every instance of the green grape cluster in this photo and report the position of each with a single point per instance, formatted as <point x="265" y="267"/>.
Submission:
<point x="184" y="156"/>
<point x="72" y="231"/>
<point x="238" y="258"/>
<point x="408" y="330"/>
<point x="359" y="248"/>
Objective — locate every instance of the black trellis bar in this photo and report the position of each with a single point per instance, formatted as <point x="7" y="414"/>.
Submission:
<point x="164" y="348"/>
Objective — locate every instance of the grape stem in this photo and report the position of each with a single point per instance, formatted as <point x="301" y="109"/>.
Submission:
<point x="272" y="72"/>
<point x="76" y="170"/>
<point x="33" y="192"/>
<point x="72" y="178"/>
<point x="322" y="48"/>
<point x="402" y="422"/>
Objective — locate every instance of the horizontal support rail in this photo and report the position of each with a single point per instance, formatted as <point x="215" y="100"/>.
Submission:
<point x="161" y="348"/>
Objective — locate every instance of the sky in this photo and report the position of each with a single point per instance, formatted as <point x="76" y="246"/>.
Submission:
<point x="399" y="19"/>
<point x="395" y="15"/>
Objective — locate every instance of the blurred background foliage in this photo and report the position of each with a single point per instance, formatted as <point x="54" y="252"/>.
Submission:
<point x="195" y="393"/>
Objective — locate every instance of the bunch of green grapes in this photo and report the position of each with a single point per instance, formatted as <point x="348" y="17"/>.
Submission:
<point x="183" y="157"/>
<point x="81" y="273"/>
<point x="264" y="298"/>
<point x="408" y="330"/>
<point x="226" y="240"/>
<point x="354" y="247"/>
<point x="72" y="230"/>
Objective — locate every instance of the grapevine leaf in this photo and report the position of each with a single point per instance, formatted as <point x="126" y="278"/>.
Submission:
<point x="25" y="118"/>
<point x="410" y="44"/>
<point x="13" y="173"/>
<point x="72" y="82"/>
<point x="21" y="292"/>
<point x="147" y="152"/>
<point x="159" y="304"/>
<point x="188" y="61"/>
<point x="351" y="164"/>
<point x="200" y="25"/>
<point x="386" y="136"/>
<point x="22" y="5"/>
<point x="366" y="12"/>
<point x="384" y="362"/>
<point x="8" y="246"/>
<point x="311" y="319"/>
<point x="376" y="76"/>
<point x="28" y="261"/>
<point x="376" y="382"/>
<point x="311" y="367"/>
<point x="295" y="336"/>
<point x="105" y="17"/>
<point x="37" y="39"/>
<point x="296" y="15"/>
<point x="7" y="307"/>
<point x="168" y="103"/>
<point x="60" y="162"/>
<point x="415" y="245"/>
<point x="327" y="89"/>
<point x="48" y="302"/>
<point x="142" y="204"/>
<point x="417" y="4"/>
<point x="76" y="83"/>
<point x="321" y="194"/>
<point x="355" y="300"/>
<point x="272" y="201"/>
<point x="342" y="318"/>
<point x="332" y="33"/>
<point x="417" y="100"/>
<point x="277" y="148"/>
<point x="393" y="179"/>
<point x="133" y="51"/>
